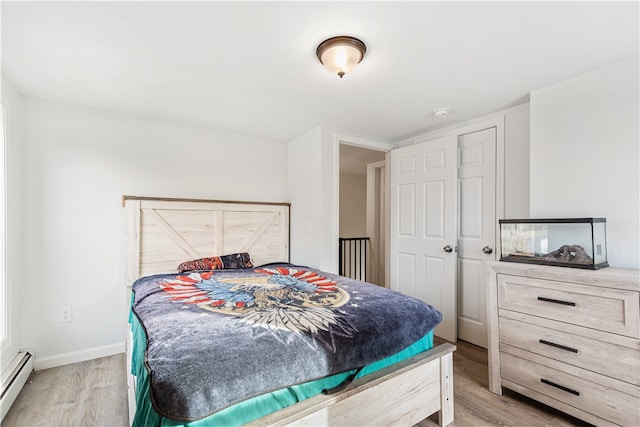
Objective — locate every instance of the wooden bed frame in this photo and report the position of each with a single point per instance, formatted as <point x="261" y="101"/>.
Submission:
<point x="160" y="233"/>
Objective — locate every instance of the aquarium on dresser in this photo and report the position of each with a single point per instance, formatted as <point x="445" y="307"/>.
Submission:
<point x="566" y="242"/>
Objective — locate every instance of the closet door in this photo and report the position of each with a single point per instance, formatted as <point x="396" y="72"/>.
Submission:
<point x="423" y="223"/>
<point x="476" y="230"/>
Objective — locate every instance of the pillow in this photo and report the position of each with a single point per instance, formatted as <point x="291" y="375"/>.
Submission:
<point x="237" y="260"/>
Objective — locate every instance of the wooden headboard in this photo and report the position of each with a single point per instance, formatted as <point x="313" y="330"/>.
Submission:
<point x="161" y="233"/>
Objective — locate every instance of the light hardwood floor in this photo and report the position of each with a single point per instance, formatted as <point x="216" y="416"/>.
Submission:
<point x="93" y="393"/>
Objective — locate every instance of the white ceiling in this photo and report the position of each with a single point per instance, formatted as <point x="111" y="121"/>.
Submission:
<point x="250" y="67"/>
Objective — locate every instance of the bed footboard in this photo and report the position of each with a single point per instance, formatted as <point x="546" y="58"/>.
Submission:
<point x="402" y="394"/>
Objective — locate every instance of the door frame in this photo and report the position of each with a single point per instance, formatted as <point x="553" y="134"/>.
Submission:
<point x="373" y="212"/>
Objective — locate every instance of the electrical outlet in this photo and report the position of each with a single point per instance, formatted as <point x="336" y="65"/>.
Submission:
<point x="65" y="314"/>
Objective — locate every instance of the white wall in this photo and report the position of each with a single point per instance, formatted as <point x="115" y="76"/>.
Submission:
<point x="585" y="154"/>
<point x="303" y="163"/>
<point x="516" y="161"/>
<point x="313" y="192"/>
<point x="77" y="164"/>
<point x="12" y="101"/>
<point x="353" y="205"/>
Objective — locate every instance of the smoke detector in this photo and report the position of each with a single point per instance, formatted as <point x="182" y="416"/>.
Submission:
<point x="441" y="112"/>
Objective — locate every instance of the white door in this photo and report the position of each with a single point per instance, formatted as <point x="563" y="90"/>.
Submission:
<point x="423" y="224"/>
<point x="476" y="230"/>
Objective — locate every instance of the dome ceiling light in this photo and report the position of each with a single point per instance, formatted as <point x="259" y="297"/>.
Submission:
<point x="341" y="54"/>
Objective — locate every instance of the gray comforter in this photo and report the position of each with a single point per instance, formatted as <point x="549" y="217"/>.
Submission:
<point x="215" y="338"/>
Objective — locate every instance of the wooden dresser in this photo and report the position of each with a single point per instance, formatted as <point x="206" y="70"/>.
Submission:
<point x="568" y="338"/>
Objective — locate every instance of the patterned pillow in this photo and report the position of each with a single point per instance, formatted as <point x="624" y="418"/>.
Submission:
<point x="237" y="260"/>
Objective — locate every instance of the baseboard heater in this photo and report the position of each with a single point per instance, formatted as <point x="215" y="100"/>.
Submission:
<point x="13" y="379"/>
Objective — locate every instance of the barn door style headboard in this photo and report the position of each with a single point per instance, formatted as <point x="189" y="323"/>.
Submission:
<point x="161" y="233"/>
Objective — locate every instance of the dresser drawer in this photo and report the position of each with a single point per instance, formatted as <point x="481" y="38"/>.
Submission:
<point x="606" y="358"/>
<point x="602" y="401"/>
<point x="605" y="309"/>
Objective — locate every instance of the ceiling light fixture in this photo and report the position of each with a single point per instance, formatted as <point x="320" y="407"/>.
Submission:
<point x="341" y="54"/>
<point x="441" y="112"/>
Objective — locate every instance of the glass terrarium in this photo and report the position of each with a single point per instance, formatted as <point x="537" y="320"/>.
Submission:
<point x="566" y="242"/>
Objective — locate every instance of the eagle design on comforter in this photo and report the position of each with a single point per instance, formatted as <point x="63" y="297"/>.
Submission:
<point x="279" y="299"/>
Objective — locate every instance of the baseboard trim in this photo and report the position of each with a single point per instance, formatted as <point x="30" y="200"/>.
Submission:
<point x="78" y="356"/>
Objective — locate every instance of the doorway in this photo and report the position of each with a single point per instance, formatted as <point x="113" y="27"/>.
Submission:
<point x="356" y="199"/>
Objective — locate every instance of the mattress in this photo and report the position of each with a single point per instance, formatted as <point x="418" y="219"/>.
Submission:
<point x="228" y="347"/>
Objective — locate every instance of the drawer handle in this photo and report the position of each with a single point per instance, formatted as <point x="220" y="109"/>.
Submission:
<point x="556" y="301"/>
<point x="552" y="344"/>
<point x="561" y="387"/>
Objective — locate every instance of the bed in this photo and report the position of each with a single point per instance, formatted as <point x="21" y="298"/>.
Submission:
<point x="402" y="389"/>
